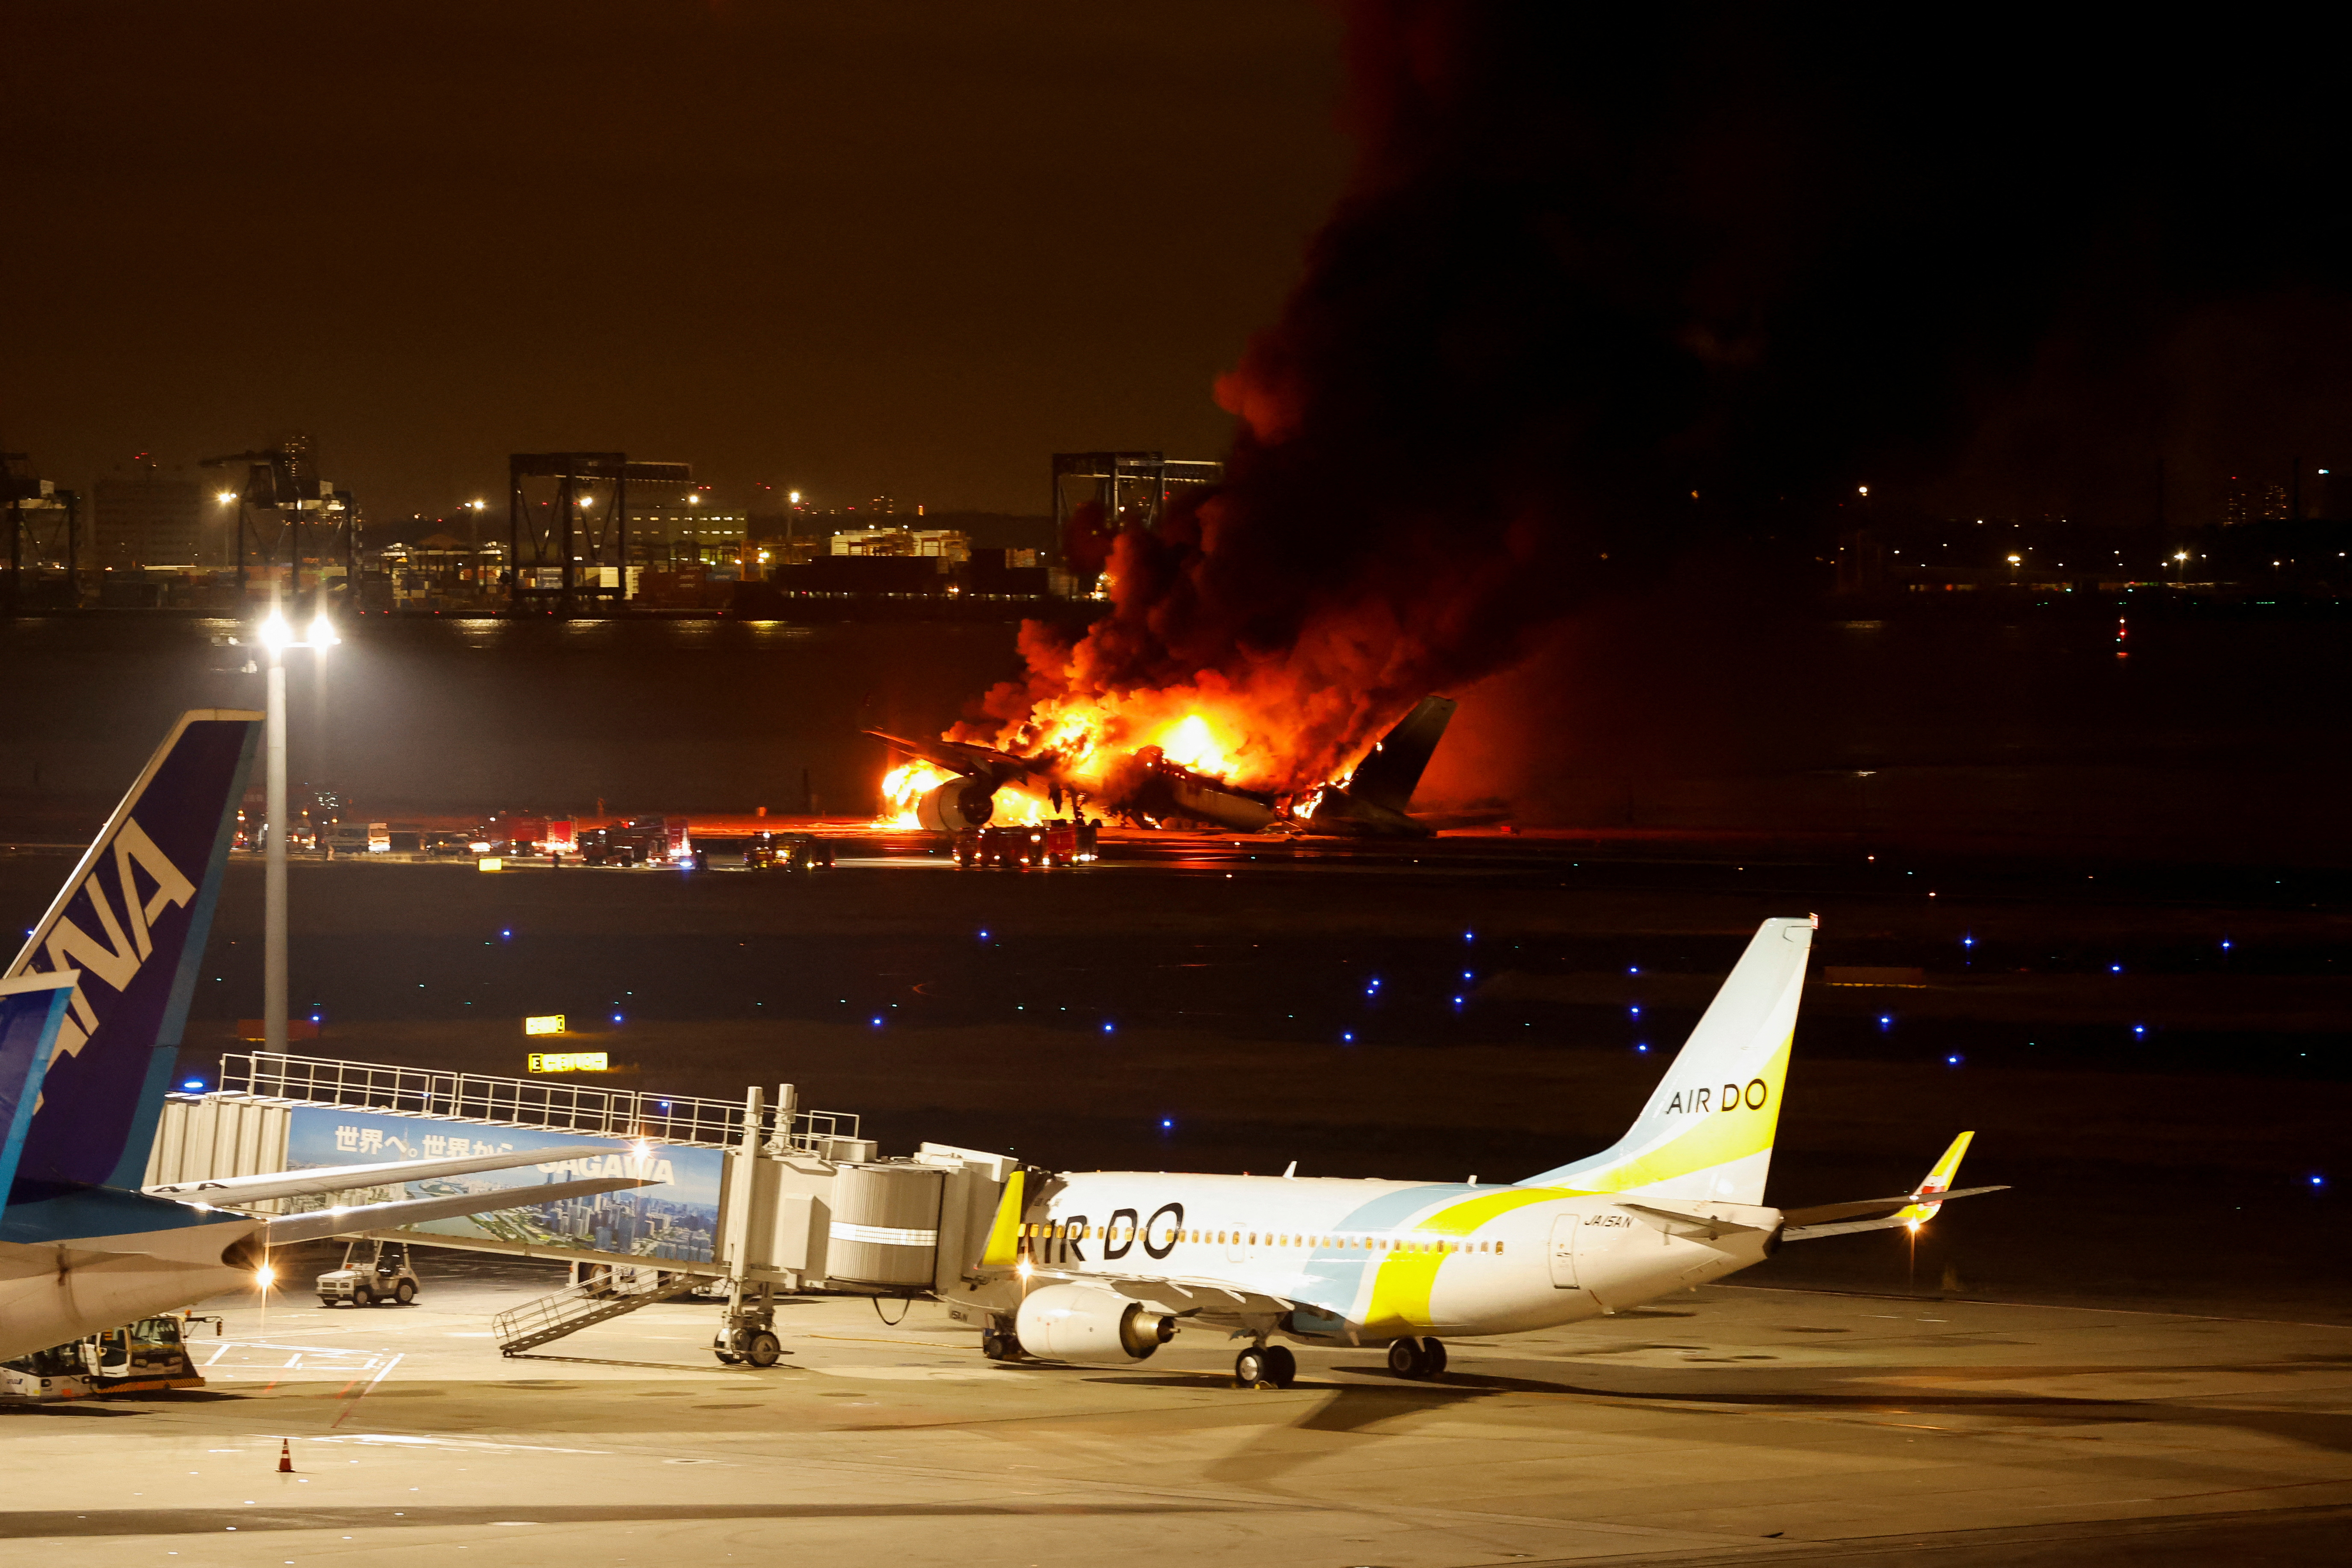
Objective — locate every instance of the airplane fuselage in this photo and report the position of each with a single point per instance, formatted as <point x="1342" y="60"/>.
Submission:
<point x="59" y="1280"/>
<point x="1374" y="1260"/>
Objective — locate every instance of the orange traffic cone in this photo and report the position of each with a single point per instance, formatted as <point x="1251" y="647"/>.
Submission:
<point x="285" y="1456"/>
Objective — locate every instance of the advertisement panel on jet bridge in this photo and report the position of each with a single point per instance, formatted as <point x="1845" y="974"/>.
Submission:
<point x="675" y="1219"/>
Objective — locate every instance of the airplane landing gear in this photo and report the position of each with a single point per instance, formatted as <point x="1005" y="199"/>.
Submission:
<point x="1417" y="1358"/>
<point x="1265" y="1364"/>
<point x="999" y="1345"/>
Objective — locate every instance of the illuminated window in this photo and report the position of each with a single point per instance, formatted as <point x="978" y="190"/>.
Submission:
<point x="1498" y="1247"/>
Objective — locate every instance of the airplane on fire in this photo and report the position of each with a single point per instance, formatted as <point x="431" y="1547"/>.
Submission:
<point x="1105" y="1267"/>
<point x="90" y="1018"/>
<point x="1369" y="803"/>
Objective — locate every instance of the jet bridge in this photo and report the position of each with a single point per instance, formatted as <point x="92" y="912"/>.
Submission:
<point x="762" y="1194"/>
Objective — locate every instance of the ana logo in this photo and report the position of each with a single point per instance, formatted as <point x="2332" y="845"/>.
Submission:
<point x="114" y="961"/>
<point x="1730" y="1097"/>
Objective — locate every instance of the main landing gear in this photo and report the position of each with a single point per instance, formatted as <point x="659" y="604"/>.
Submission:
<point x="1418" y="1358"/>
<point x="1265" y="1364"/>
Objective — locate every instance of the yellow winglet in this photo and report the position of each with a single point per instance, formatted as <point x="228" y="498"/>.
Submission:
<point x="1938" y="1179"/>
<point x="1005" y="1236"/>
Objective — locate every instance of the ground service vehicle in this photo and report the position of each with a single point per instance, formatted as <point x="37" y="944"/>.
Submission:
<point x="787" y="851"/>
<point x="372" y="1271"/>
<point x="137" y="1358"/>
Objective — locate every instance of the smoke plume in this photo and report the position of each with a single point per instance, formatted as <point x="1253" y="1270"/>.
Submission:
<point x="1611" y="284"/>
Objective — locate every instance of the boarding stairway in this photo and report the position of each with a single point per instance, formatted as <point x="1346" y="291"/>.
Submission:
<point x="576" y="1307"/>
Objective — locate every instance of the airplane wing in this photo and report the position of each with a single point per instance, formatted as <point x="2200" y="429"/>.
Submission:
<point x="235" y="1192"/>
<point x="287" y="1228"/>
<point x="1811" y="1228"/>
<point x="959" y="756"/>
<point x="1913" y="1208"/>
<point x="1186" y="1298"/>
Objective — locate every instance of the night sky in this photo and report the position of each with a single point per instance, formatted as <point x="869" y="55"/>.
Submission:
<point x="902" y="248"/>
<point x="2009" y="265"/>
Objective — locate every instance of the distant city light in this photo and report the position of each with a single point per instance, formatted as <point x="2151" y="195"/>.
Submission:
<point x="224" y="496"/>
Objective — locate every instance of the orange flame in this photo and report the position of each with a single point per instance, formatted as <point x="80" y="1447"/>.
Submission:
<point x="903" y="787"/>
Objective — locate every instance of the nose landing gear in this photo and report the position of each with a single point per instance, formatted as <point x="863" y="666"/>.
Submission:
<point x="1422" y="1359"/>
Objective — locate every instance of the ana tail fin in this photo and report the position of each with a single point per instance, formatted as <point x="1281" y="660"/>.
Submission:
<point x="32" y="1011"/>
<point x="1388" y="775"/>
<point x="1706" y="1131"/>
<point x="132" y="919"/>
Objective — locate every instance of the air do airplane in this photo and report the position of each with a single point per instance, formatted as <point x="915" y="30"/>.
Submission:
<point x="90" y="1016"/>
<point x="1106" y="1267"/>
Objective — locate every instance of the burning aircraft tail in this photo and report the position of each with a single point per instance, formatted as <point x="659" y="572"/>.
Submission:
<point x="1388" y="775"/>
<point x="1708" y="1130"/>
<point x="131" y="923"/>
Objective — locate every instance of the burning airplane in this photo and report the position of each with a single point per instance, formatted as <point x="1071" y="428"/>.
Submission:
<point x="954" y="785"/>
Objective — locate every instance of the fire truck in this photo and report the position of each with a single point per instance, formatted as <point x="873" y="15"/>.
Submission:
<point x="787" y="851"/>
<point x="1034" y="848"/>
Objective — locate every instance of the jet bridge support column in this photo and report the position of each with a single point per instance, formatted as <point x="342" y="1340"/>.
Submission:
<point x="748" y="1332"/>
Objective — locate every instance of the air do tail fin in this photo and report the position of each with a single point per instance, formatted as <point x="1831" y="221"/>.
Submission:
<point x="132" y="919"/>
<point x="1708" y="1130"/>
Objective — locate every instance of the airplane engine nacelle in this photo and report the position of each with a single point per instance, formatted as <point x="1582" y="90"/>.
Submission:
<point x="1079" y="1323"/>
<point x="957" y="804"/>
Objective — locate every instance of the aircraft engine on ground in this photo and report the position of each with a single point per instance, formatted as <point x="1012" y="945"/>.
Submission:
<point x="1079" y="1323"/>
<point x="957" y="804"/>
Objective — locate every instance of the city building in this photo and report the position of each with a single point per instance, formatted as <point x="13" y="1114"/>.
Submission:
<point x="143" y="517"/>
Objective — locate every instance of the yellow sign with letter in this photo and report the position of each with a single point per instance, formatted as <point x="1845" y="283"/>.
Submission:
<point x="568" y="1061"/>
<point x="545" y="1023"/>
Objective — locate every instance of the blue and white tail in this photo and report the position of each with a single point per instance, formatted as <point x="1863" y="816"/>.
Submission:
<point x="1708" y="1130"/>
<point x="131" y="922"/>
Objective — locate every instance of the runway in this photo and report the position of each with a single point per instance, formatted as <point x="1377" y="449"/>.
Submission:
<point x="1731" y="1424"/>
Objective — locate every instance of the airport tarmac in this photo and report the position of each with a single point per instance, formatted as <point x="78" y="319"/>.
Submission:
<point x="1729" y="1424"/>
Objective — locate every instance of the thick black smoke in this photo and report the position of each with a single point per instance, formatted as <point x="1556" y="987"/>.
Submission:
<point x="1612" y="285"/>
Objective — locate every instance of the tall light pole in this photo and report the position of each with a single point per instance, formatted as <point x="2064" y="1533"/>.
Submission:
<point x="277" y="636"/>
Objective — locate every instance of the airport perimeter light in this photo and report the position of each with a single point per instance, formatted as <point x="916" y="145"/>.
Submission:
<point x="278" y="636"/>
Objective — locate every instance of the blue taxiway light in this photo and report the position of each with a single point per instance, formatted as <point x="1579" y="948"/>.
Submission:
<point x="1637" y="1012"/>
<point x="196" y="1083"/>
<point x="1345" y="1038"/>
<point x="506" y="933"/>
<point x="616" y="1017"/>
<point x="1633" y="968"/>
<point x="2115" y="968"/>
<point x="1886" y="1020"/>
<point x="1107" y="1028"/>
<point x="878" y="1023"/>
<point x="1165" y="1124"/>
<point x="2139" y="1028"/>
<point x="1643" y="1049"/>
<point x="984" y="935"/>
<point x="1951" y="1062"/>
